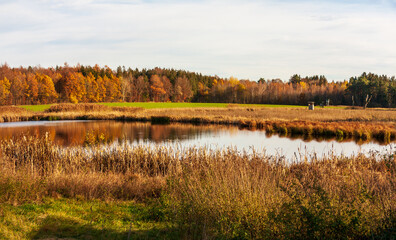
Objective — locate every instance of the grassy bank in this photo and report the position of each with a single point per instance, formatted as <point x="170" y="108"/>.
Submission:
<point x="198" y="192"/>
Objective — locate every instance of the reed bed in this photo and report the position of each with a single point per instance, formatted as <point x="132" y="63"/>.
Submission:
<point x="214" y="193"/>
<point x="14" y="114"/>
<point x="89" y="107"/>
<point x="283" y="114"/>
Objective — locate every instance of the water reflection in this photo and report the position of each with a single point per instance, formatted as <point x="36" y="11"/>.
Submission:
<point x="69" y="133"/>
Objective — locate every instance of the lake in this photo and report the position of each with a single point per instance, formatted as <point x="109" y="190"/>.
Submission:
<point x="72" y="133"/>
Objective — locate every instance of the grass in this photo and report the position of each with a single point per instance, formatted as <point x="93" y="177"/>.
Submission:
<point x="84" y="219"/>
<point x="201" y="193"/>
<point x="36" y="108"/>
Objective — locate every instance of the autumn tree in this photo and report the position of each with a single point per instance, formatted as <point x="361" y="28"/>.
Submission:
<point x="182" y="90"/>
<point x="101" y="89"/>
<point x="18" y="88"/>
<point x="168" y="87"/>
<point x="4" y="90"/>
<point x="140" y="90"/>
<point x="156" y="88"/>
<point x="74" y="87"/>
<point x="46" y="89"/>
<point x="113" y="88"/>
<point x="126" y="87"/>
<point x="91" y="88"/>
<point x="32" y="89"/>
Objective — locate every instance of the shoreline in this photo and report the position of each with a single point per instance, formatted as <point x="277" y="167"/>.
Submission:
<point x="380" y="128"/>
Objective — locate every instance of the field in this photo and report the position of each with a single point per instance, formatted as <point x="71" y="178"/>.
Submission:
<point x="93" y="191"/>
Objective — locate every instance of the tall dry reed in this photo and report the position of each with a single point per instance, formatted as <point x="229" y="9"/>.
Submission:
<point x="232" y="196"/>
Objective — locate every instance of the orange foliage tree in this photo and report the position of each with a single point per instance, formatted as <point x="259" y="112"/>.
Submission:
<point x="157" y="88"/>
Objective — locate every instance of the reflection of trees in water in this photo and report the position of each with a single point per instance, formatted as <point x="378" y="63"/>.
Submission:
<point x="159" y="133"/>
<point x="74" y="133"/>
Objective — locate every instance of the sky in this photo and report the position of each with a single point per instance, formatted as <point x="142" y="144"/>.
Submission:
<point x="247" y="39"/>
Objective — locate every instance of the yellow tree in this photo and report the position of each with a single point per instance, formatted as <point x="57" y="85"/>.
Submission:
<point x="4" y="90"/>
<point x="46" y="89"/>
<point x="92" y="88"/>
<point x="74" y="87"/>
<point x="101" y="89"/>
<point x="32" y="89"/>
<point x="113" y="88"/>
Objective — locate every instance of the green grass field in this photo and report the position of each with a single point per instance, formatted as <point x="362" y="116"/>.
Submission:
<point x="83" y="219"/>
<point x="36" y="108"/>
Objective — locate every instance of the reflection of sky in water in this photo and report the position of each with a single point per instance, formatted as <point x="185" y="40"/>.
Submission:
<point x="245" y="140"/>
<point x="186" y="135"/>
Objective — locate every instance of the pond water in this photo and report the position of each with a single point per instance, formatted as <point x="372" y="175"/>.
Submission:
<point x="71" y="133"/>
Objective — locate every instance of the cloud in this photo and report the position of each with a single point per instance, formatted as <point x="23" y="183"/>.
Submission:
<point x="247" y="39"/>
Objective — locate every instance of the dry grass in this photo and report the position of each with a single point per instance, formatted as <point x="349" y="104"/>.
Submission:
<point x="379" y="124"/>
<point x="89" y="107"/>
<point x="214" y="194"/>
<point x="248" y="197"/>
<point x="284" y="114"/>
<point x="30" y="164"/>
<point x="14" y="114"/>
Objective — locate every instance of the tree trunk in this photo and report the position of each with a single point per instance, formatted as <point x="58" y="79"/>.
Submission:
<point x="367" y="100"/>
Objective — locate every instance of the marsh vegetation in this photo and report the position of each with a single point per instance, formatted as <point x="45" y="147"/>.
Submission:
<point x="204" y="193"/>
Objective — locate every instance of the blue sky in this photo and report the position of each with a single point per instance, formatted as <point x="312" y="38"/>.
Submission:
<point x="246" y="39"/>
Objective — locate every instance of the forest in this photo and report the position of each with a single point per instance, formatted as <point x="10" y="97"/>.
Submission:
<point x="90" y="84"/>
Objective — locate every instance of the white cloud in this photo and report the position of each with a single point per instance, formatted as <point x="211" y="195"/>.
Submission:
<point x="247" y="39"/>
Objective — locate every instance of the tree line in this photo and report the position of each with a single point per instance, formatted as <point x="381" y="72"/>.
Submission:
<point x="37" y="85"/>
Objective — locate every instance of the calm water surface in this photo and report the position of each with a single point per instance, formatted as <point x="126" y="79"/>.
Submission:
<point x="70" y="133"/>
